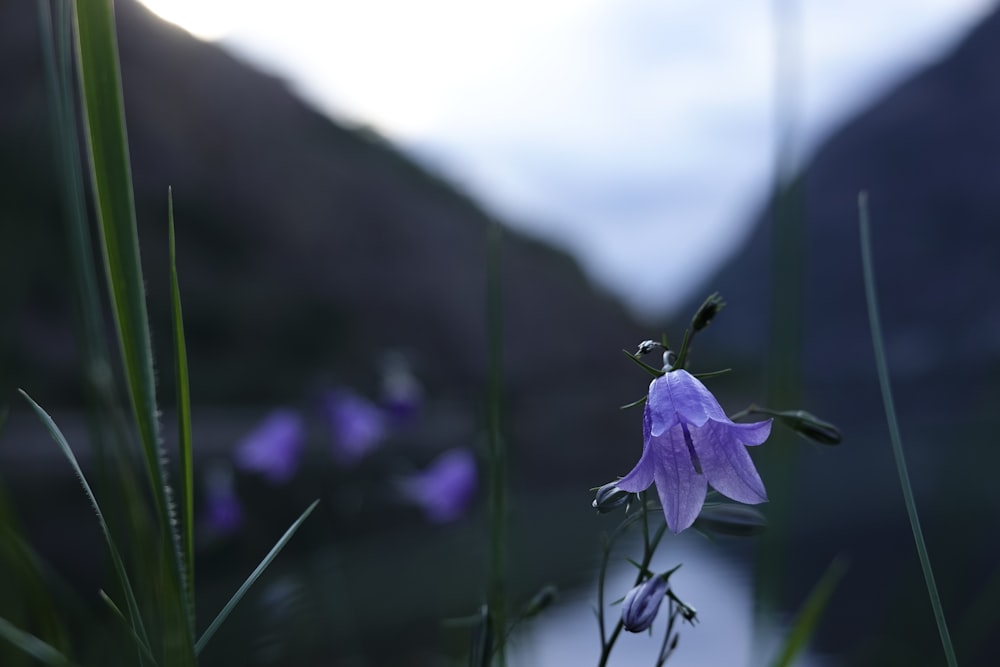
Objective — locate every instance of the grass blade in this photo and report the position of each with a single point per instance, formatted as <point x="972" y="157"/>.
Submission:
<point x="894" y="436"/>
<point x="32" y="645"/>
<point x="116" y="559"/>
<point x="104" y="123"/>
<point x="183" y="416"/>
<point x="810" y="613"/>
<point x="142" y="645"/>
<point x="275" y="550"/>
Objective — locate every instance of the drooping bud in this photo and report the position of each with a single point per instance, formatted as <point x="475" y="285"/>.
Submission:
<point x="541" y="601"/>
<point x="609" y="497"/>
<point x="731" y="519"/>
<point x="642" y="603"/>
<point x="809" y="426"/>
<point x="707" y="312"/>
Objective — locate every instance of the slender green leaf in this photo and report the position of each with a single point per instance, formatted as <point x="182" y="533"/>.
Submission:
<point x="116" y="559"/>
<point x="655" y="372"/>
<point x="139" y="642"/>
<point x="183" y="415"/>
<point x="894" y="436"/>
<point x="812" y="610"/>
<point x="32" y="645"/>
<point x="275" y="550"/>
<point x="104" y="123"/>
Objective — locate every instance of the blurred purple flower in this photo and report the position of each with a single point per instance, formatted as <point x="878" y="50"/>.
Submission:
<point x="688" y="443"/>
<point x="358" y="425"/>
<point x="445" y="488"/>
<point x="274" y="448"/>
<point x="223" y="513"/>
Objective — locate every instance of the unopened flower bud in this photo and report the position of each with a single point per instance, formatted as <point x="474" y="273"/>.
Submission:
<point x="642" y="604"/>
<point x="731" y="519"/>
<point x="609" y="497"/>
<point x="647" y="346"/>
<point x="713" y="304"/>
<point x="541" y="601"/>
<point x="810" y="426"/>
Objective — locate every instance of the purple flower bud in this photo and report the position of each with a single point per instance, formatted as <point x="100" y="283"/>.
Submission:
<point x="273" y="448"/>
<point x="445" y="488"/>
<point x="642" y="604"/>
<point x="609" y="497"/>
<point x="358" y="426"/>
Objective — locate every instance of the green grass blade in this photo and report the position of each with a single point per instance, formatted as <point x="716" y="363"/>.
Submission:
<point x="275" y="550"/>
<point x="183" y="416"/>
<point x="104" y="123"/>
<point x="810" y="613"/>
<point x="894" y="436"/>
<point x="32" y="645"/>
<point x="116" y="559"/>
<point x="142" y="645"/>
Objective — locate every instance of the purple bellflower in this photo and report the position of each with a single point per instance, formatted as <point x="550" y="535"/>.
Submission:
<point x="358" y="425"/>
<point x="273" y="448"/>
<point x="445" y="488"/>
<point x="642" y="603"/>
<point x="689" y="443"/>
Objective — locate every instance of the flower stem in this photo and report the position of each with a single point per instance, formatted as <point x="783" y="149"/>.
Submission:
<point x="895" y="438"/>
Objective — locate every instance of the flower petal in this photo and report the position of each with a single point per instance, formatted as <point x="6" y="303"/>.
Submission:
<point x="680" y="396"/>
<point x="641" y="476"/>
<point x="681" y="489"/>
<point x="660" y="406"/>
<point x="725" y="461"/>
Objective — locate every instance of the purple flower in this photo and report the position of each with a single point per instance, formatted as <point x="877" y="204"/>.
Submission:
<point x="358" y="426"/>
<point x="223" y="513"/>
<point x="274" y="447"/>
<point x="642" y="604"/>
<point x="444" y="488"/>
<point x="689" y="443"/>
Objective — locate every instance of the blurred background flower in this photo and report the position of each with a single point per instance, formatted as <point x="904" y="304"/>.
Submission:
<point x="445" y="488"/>
<point x="274" y="447"/>
<point x="357" y="425"/>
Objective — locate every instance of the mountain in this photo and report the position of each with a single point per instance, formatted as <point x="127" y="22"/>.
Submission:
<point x="307" y="249"/>
<point x="927" y="152"/>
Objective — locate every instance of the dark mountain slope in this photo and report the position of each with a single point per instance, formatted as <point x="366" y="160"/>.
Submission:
<point x="306" y="249"/>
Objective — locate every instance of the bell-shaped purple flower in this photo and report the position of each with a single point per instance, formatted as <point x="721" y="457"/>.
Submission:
<point x="273" y="448"/>
<point x="445" y="488"/>
<point x="689" y="443"/>
<point x="642" y="603"/>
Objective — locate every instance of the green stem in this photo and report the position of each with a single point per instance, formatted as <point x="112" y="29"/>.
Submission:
<point x="895" y="438"/>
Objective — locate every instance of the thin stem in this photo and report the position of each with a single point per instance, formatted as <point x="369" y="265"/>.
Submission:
<point x="894" y="436"/>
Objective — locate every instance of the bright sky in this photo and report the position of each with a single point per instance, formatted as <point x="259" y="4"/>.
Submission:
<point x="637" y="135"/>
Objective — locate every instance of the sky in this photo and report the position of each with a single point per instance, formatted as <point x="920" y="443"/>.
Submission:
<point x="635" y="134"/>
